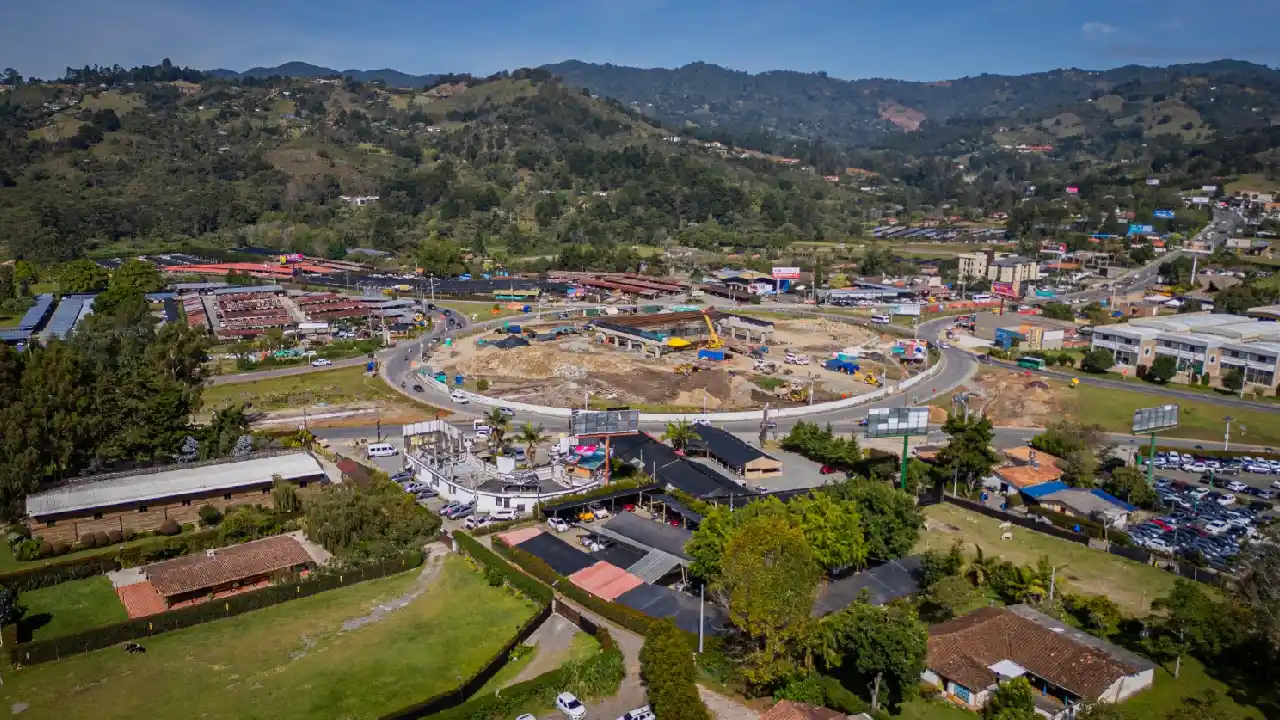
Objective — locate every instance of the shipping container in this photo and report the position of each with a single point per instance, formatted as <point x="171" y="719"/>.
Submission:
<point x="711" y="355"/>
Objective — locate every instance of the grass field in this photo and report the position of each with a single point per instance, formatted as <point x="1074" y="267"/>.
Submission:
<point x="9" y="563"/>
<point x="69" y="608"/>
<point x="1132" y="585"/>
<point x="1169" y="694"/>
<point x="288" y="661"/>
<point x="1257" y="183"/>
<point x="478" y="308"/>
<point x="1113" y="410"/>
<point x="344" y="385"/>
<point x="582" y="647"/>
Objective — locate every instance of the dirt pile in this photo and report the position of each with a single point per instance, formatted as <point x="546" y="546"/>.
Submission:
<point x="1011" y="399"/>
<point x="540" y="362"/>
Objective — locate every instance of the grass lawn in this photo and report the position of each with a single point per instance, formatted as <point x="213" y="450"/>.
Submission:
<point x="1113" y="410"/>
<point x="1169" y="694"/>
<point x="479" y="309"/>
<point x="69" y="608"/>
<point x="929" y="709"/>
<point x="291" y="660"/>
<point x="343" y="385"/>
<point x="1131" y="585"/>
<point x="582" y="647"/>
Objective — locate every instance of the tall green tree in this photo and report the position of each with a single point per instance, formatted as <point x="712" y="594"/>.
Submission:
<point x="769" y="581"/>
<point x="891" y="520"/>
<point x="884" y="645"/>
<point x="1013" y="700"/>
<point x="531" y="435"/>
<point x="968" y="455"/>
<point x="833" y="528"/>
<point x="1188" y="620"/>
<point x="1163" y="369"/>
<point x="81" y="276"/>
<point x="680" y="433"/>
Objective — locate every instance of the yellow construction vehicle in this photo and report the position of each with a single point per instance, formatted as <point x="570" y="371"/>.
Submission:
<point x="715" y="343"/>
<point x="871" y="380"/>
<point x="797" y="392"/>
<point x="686" y="369"/>
<point x="677" y="342"/>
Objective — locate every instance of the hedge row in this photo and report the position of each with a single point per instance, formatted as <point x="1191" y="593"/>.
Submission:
<point x="492" y="528"/>
<point x="668" y="672"/>
<point x="108" y="635"/>
<point x="530" y="587"/>
<point x="629" y="618"/>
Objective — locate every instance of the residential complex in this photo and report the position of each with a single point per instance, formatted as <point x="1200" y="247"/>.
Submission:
<point x="1202" y="343"/>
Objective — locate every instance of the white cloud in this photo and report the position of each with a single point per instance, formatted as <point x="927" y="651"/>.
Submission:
<point x="1098" y="29"/>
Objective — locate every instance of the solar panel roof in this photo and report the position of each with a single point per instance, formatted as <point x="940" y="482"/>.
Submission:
<point x="37" y="313"/>
<point x="564" y="558"/>
<point x="66" y="315"/>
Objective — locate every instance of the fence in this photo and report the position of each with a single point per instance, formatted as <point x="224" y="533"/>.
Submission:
<point x="505" y="703"/>
<point x="108" y="635"/>
<point x="1208" y="576"/>
<point x="1018" y="520"/>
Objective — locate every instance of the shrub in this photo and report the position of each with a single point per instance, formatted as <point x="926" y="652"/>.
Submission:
<point x="130" y="534"/>
<point x="209" y="515"/>
<point x="61" y="547"/>
<point x="482" y="384"/>
<point x="100" y="539"/>
<point x="89" y="540"/>
<point x="668" y="672"/>
<point x="169" y="527"/>
<point x="46" y="549"/>
<point x="115" y="537"/>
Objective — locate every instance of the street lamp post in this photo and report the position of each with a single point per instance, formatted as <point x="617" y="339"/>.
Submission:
<point x="1226" y="438"/>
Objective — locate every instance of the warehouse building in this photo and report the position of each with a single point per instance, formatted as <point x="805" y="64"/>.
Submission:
<point x="1201" y="343"/>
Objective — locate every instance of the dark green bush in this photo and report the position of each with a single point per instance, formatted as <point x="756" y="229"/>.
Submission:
<point x="89" y="540"/>
<point x="101" y="539"/>
<point x="169" y="527"/>
<point x="668" y="672"/>
<point x="524" y="584"/>
<point x="115" y="537"/>
<point x="209" y="515"/>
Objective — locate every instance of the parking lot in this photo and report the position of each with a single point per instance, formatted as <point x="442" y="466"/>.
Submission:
<point x="1213" y="507"/>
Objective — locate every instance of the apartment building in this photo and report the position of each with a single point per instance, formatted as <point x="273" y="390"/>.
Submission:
<point x="1201" y="343"/>
<point x="973" y="265"/>
<point x="1013" y="269"/>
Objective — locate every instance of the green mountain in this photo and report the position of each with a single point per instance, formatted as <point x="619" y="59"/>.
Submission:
<point x="516" y="164"/>
<point x="1195" y="102"/>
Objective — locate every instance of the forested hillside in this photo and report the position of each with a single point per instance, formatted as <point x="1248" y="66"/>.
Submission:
<point x="1190" y="101"/>
<point x="107" y="162"/>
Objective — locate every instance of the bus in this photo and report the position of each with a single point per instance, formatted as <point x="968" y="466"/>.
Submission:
<point x="1031" y="363"/>
<point x="881" y="319"/>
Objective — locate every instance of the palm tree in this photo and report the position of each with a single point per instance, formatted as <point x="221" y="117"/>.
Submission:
<point x="679" y="433"/>
<point x="531" y="437"/>
<point x="498" y="424"/>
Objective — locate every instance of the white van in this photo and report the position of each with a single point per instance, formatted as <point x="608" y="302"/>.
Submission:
<point x="382" y="450"/>
<point x="458" y="397"/>
<point x="881" y="319"/>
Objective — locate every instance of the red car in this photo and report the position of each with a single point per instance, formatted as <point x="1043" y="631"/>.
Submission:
<point x="1161" y="524"/>
<point x="828" y="470"/>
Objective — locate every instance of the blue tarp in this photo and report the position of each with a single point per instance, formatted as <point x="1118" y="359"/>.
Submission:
<point x="1039" y="491"/>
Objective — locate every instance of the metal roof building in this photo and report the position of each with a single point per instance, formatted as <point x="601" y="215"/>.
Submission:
<point x="70" y="311"/>
<point x="173" y="481"/>
<point x="36" y="315"/>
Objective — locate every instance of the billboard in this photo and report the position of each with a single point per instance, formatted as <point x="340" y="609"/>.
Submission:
<point x="897" y="422"/>
<point x="1166" y="214"/>
<point x="1073" y="190"/>
<point x="291" y="258"/>
<point x="1004" y="290"/>
<point x="1139" y="229"/>
<point x="1045" y="293"/>
<point x="1209" y="189"/>
<point x="604" y="422"/>
<point x="913" y="310"/>
<point x="1146" y="420"/>
<point x="1199" y="201"/>
<point x="786" y="273"/>
<point x="1154" y="182"/>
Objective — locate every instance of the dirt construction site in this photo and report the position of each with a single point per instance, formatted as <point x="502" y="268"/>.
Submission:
<point x="1015" y="398"/>
<point x="599" y="359"/>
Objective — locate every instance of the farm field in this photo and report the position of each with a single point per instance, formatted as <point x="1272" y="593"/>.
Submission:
<point x="291" y="661"/>
<point x="69" y="608"/>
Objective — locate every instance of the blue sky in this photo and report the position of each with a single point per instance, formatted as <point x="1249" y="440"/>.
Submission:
<point x="920" y="40"/>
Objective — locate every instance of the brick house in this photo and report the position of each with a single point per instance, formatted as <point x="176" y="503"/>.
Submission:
<point x="968" y="657"/>
<point x="144" y="500"/>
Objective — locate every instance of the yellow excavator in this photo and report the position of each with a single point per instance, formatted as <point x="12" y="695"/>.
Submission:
<point x="797" y="392"/>
<point x="686" y="369"/>
<point x="715" y="343"/>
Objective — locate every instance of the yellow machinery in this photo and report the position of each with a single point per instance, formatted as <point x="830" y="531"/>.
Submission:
<point x="797" y="392"/>
<point x="715" y="343"/>
<point x="1075" y="382"/>
<point x="686" y="369"/>
<point x="871" y="380"/>
<point x="675" y="342"/>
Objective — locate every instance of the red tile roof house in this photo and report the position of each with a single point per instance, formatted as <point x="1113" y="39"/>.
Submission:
<point x="216" y="572"/>
<point x="969" y="656"/>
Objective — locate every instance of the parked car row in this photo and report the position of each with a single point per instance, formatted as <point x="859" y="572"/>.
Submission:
<point x="1201" y="522"/>
<point x="1218" y="466"/>
<point x="409" y="482"/>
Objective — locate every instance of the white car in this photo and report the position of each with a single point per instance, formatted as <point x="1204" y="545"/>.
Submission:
<point x="1276" y="484"/>
<point x="1217" y="527"/>
<point x="644" y="712"/>
<point x="570" y="705"/>
<point x="1195" y="468"/>
<point x="476" y="521"/>
<point x="321" y="362"/>
<point x="1237" y="486"/>
<point x="598" y="510"/>
<point x="558" y="524"/>
<point x="458" y="397"/>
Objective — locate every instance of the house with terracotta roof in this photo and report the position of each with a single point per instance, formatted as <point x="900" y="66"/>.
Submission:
<point x="970" y="656"/>
<point x="244" y="566"/>
<point x="1026" y="468"/>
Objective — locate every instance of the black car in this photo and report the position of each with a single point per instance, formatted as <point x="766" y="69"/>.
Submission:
<point x="417" y="388"/>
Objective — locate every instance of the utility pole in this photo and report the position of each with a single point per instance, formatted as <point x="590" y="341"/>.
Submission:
<point x="702" y="601"/>
<point x="1226" y="439"/>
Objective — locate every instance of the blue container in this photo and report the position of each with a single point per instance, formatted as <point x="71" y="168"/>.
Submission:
<point x="711" y="355"/>
<point x="457" y="379"/>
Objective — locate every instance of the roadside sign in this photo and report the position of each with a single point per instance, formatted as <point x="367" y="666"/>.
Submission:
<point x="897" y="422"/>
<point x="1147" y="420"/>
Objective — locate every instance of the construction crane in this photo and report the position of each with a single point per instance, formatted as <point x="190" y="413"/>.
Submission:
<point x="715" y="343"/>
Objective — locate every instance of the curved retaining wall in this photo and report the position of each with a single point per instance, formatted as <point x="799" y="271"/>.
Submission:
<point x="745" y="415"/>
